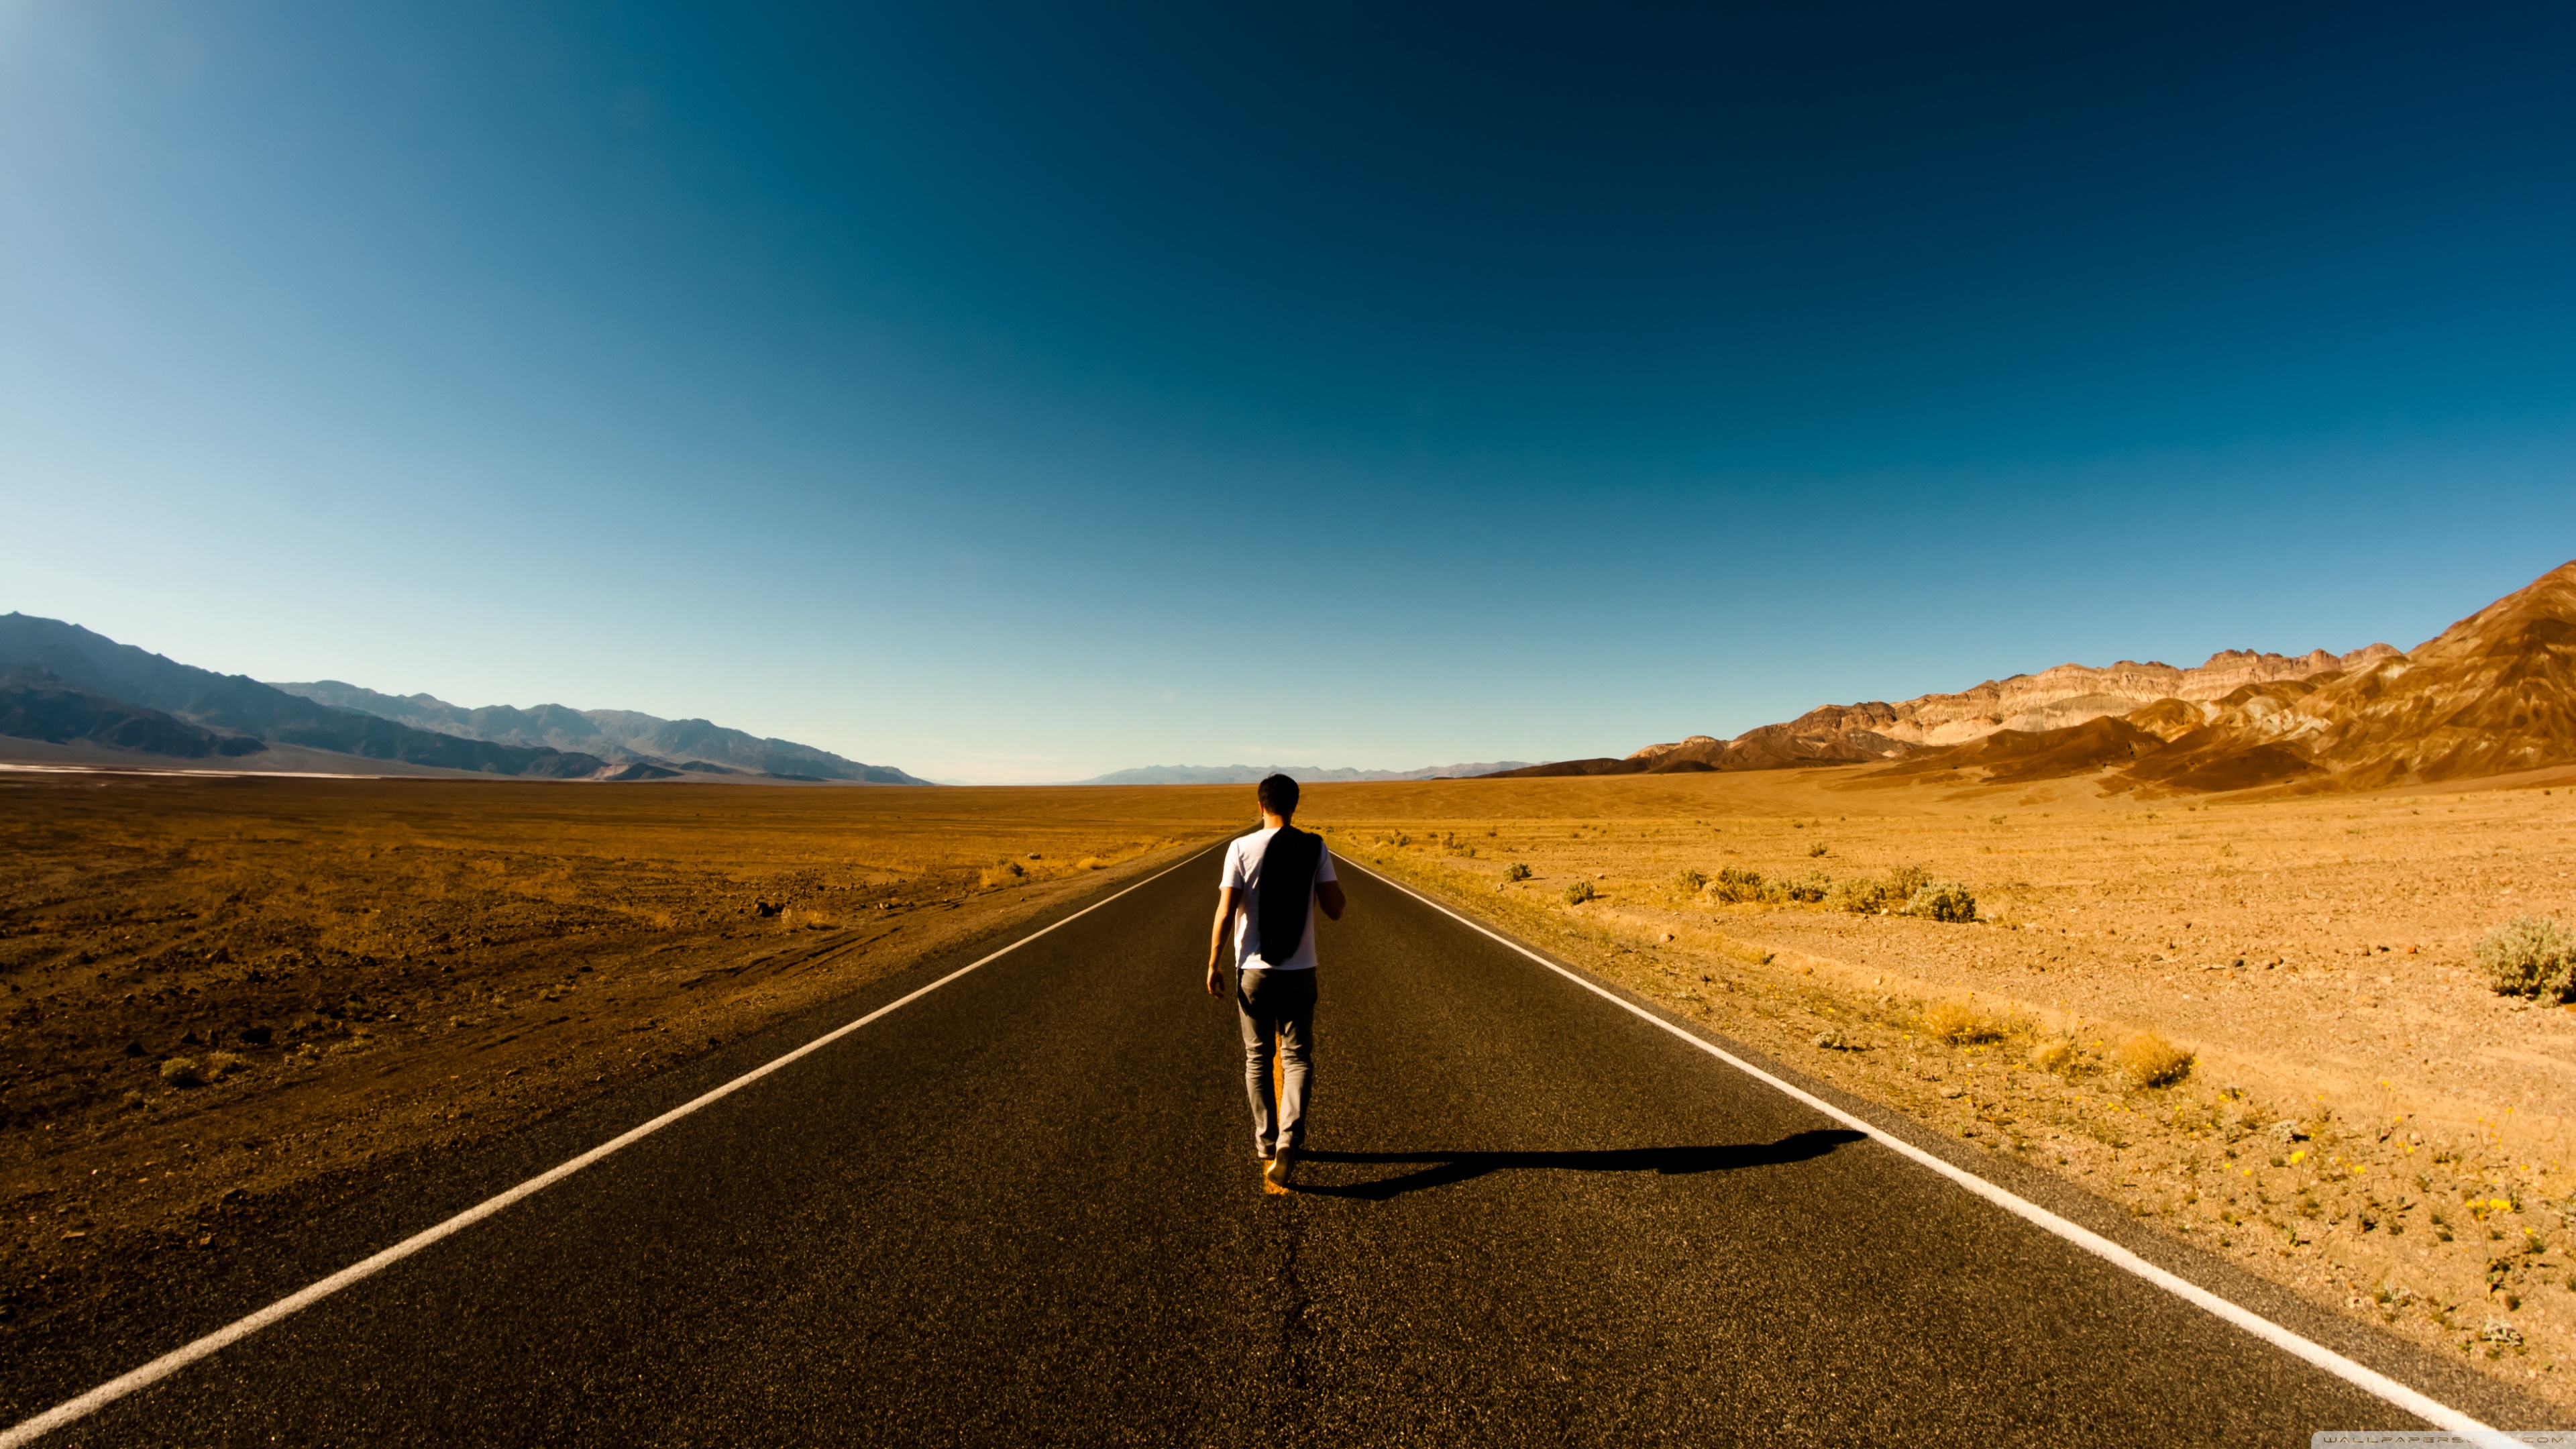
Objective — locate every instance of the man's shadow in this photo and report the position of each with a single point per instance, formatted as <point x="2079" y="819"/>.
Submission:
<point x="1453" y="1167"/>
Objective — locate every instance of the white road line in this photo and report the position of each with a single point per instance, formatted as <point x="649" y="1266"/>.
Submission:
<point x="169" y="1363"/>
<point x="2369" y="1380"/>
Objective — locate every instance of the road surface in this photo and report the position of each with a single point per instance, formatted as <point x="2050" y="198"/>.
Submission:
<point x="1024" y="1209"/>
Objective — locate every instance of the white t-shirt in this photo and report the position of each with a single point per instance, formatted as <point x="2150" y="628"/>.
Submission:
<point x="1243" y="874"/>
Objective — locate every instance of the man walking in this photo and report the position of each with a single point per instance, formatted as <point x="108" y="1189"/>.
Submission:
<point x="1274" y="879"/>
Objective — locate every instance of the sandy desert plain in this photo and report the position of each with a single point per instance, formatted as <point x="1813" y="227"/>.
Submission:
<point x="2364" y="1120"/>
<point x="232" y="1001"/>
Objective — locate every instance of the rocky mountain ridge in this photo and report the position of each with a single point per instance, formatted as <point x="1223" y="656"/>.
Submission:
<point x="2069" y="694"/>
<point x="235" y="708"/>
<point x="620" y="736"/>
<point x="38" y="704"/>
<point x="64" y="684"/>
<point x="2495" y="692"/>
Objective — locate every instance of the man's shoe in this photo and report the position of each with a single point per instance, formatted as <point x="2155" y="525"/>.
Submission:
<point x="1275" y="1177"/>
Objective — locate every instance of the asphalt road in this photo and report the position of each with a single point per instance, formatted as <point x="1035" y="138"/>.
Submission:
<point x="1025" y="1209"/>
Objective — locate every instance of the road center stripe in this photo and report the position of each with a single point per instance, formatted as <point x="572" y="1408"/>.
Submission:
<point x="2367" y="1379"/>
<point x="72" y="1410"/>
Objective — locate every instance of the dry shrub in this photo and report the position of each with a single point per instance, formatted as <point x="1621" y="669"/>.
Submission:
<point x="183" y="1072"/>
<point x="1858" y="894"/>
<point x="2151" y="1061"/>
<point x="1959" y="1024"/>
<point x="1943" y="900"/>
<point x="1516" y="871"/>
<point x="2530" y="956"/>
<point x="1808" y="888"/>
<point x="1579" y="892"/>
<point x="1009" y="872"/>
<point x="220" y="1065"/>
<point x="1690" y="882"/>
<point x="2053" y="1055"/>
<point x="1736" y="885"/>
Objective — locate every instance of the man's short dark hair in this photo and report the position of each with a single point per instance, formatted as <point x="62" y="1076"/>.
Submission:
<point x="1277" y="794"/>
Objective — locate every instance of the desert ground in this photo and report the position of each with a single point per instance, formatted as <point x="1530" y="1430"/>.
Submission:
<point x="230" y="1000"/>
<point x="2363" y="1119"/>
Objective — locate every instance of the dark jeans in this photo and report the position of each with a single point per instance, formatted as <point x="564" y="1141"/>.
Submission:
<point x="1277" y="1004"/>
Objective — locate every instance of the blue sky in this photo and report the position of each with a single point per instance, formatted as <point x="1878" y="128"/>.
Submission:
<point x="1022" y="392"/>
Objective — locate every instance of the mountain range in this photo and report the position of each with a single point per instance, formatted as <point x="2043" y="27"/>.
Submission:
<point x="38" y="704"/>
<point x="2489" y="695"/>
<point x="66" y="685"/>
<point x="2493" y="694"/>
<point x="620" y="736"/>
<point x="1253" y="774"/>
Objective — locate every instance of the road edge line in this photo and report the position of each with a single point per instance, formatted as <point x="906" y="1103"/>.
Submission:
<point x="73" y="1410"/>
<point x="2297" y="1345"/>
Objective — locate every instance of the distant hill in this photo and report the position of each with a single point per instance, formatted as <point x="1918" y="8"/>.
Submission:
<point x="38" y="704"/>
<point x="233" y="705"/>
<point x="619" y="735"/>
<point x="2492" y="694"/>
<point x="1872" y="731"/>
<point x="1303" y="774"/>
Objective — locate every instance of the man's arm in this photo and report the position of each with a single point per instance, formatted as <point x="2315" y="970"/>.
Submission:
<point x="1225" y="904"/>
<point x="1328" y="894"/>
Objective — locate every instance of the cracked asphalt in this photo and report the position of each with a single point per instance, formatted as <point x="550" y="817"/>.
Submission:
<point x="1024" y="1209"/>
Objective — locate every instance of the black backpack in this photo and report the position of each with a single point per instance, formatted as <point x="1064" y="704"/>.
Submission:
<point x="1288" y="866"/>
